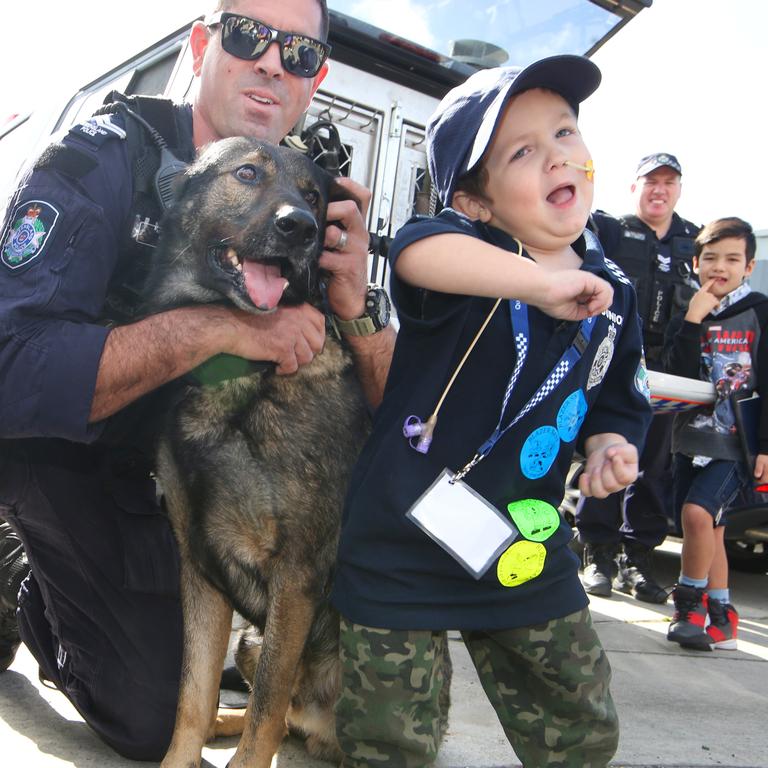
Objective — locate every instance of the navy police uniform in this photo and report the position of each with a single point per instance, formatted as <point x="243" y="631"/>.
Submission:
<point x="100" y="610"/>
<point x="390" y="573"/>
<point x="661" y="270"/>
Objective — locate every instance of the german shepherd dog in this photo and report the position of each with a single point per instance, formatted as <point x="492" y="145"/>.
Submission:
<point x="254" y="468"/>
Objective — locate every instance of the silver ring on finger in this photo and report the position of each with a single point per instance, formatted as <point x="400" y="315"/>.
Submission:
<point x="343" y="238"/>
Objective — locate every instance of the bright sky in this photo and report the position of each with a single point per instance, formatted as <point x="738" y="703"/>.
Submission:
<point x="687" y="77"/>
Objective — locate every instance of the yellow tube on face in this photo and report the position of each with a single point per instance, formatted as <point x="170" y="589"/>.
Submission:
<point x="588" y="168"/>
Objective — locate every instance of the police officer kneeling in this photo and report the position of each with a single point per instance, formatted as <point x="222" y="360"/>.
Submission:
<point x="100" y="609"/>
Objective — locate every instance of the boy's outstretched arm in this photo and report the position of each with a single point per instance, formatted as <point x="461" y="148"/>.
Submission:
<point x="459" y="264"/>
<point x="611" y="465"/>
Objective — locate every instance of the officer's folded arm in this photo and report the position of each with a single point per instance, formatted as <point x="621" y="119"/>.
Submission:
<point x="140" y="357"/>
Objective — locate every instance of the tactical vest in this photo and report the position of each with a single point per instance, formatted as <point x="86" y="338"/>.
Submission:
<point x="166" y="120"/>
<point x="663" y="284"/>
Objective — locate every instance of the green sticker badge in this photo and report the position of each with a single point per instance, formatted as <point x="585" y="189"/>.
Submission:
<point x="29" y="229"/>
<point x="536" y="519"/>
<point x="523" y="561"/>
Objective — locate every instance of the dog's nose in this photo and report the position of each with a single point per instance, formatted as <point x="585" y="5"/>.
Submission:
<point x="297" y="226"/>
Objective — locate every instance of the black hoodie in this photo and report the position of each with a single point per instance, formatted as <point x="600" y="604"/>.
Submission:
<point x="731" y="350"/>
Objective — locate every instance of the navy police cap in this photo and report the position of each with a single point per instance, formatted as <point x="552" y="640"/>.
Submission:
<point x="463" y="125"/>
<point x="651" y="162"/>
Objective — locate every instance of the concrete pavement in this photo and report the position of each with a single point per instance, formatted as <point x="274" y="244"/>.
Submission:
<point x="679" y="709"/>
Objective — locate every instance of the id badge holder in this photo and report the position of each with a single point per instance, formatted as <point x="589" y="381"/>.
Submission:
<point x="463" y="523"/>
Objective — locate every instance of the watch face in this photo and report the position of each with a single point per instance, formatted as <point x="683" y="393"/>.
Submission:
<point x="378" y="307"/>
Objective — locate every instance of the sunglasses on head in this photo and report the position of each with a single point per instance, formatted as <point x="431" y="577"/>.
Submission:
<point x="249" y="39"/>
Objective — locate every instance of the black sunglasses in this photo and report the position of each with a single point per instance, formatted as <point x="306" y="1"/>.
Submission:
<point x="249" y="39"/>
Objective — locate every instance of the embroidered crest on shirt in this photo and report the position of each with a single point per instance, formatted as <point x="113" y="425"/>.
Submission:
<point x="602" y="359"/>
<point x="29" y="229"/>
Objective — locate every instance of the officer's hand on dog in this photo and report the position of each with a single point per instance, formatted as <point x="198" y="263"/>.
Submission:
<point x="345" y="257"/>
<point x="290" y="336"/>
<point x="702" y="303"/>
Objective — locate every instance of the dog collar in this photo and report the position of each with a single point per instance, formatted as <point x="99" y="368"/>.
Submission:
<point x="223" y="367"/>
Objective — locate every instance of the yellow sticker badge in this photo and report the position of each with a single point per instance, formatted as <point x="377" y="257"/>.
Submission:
<point x="523" y="561"/>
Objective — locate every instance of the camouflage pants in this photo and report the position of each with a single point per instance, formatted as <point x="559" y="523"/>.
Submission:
<point x="549" y="685"/>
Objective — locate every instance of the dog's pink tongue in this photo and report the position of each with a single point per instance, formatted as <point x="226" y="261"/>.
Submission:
<point x="264" y="284"/>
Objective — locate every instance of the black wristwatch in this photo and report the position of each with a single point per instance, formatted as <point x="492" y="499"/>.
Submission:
<point x="375" y="317"/>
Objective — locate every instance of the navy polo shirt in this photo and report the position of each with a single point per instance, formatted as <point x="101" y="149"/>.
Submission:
<point x="390" y="573"/>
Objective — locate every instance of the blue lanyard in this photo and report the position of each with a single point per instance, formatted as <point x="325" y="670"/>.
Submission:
<point x="569" y="358"/>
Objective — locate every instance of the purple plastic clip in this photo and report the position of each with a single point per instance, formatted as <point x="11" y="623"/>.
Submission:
<point x="419" y="433"/>
<point x="413" y="426"/>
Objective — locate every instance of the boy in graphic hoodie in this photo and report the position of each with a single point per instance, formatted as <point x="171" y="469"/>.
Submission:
<point x="721" y="338"/>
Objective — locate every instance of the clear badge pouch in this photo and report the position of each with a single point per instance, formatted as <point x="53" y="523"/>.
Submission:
<point x="463" y="523"/>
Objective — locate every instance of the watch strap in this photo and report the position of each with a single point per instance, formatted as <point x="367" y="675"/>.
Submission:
<point x="359" y="326"/>
<point x="375" y="316"/>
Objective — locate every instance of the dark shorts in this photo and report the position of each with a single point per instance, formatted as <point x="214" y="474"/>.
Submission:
<point x="713" y="487"/>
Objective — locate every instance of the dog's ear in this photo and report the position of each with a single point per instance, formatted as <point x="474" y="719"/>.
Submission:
<point x="337" y="191"/>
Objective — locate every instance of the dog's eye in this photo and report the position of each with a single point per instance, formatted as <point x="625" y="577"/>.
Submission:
<point x="312" y="196"/>
<point x="247" y="173"/>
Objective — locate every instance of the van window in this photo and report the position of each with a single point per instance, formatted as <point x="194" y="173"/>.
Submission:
<point x="153" y="79"/>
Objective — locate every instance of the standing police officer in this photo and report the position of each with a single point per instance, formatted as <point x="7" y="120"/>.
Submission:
<point x="100" y="610"/>
<point x="654" y="247"/>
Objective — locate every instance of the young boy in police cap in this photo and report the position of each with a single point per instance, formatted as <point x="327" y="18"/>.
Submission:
<point x="453" y="523"/>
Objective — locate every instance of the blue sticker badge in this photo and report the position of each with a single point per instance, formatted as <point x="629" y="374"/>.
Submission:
<point x="571" y="415"/>
<point x="539" y="452"/>
<point x="29" y="229"/>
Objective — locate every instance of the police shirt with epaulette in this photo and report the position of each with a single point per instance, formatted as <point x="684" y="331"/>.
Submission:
<point x="390" y="573"/>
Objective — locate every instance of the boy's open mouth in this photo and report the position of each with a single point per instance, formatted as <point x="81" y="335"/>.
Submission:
<point x="562" y="194"/>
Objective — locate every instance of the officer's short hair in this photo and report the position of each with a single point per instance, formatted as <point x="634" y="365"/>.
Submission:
<point x="226" y="5"/>
<point x="720" y="229"/>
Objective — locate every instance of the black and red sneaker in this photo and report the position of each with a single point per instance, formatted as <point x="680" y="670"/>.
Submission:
<point x="689" y="622"/>
<point x="723" y="625"/>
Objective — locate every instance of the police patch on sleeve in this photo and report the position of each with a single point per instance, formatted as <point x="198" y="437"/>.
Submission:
<point x="29" y="229"/>
<point x="642" y="381"/>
